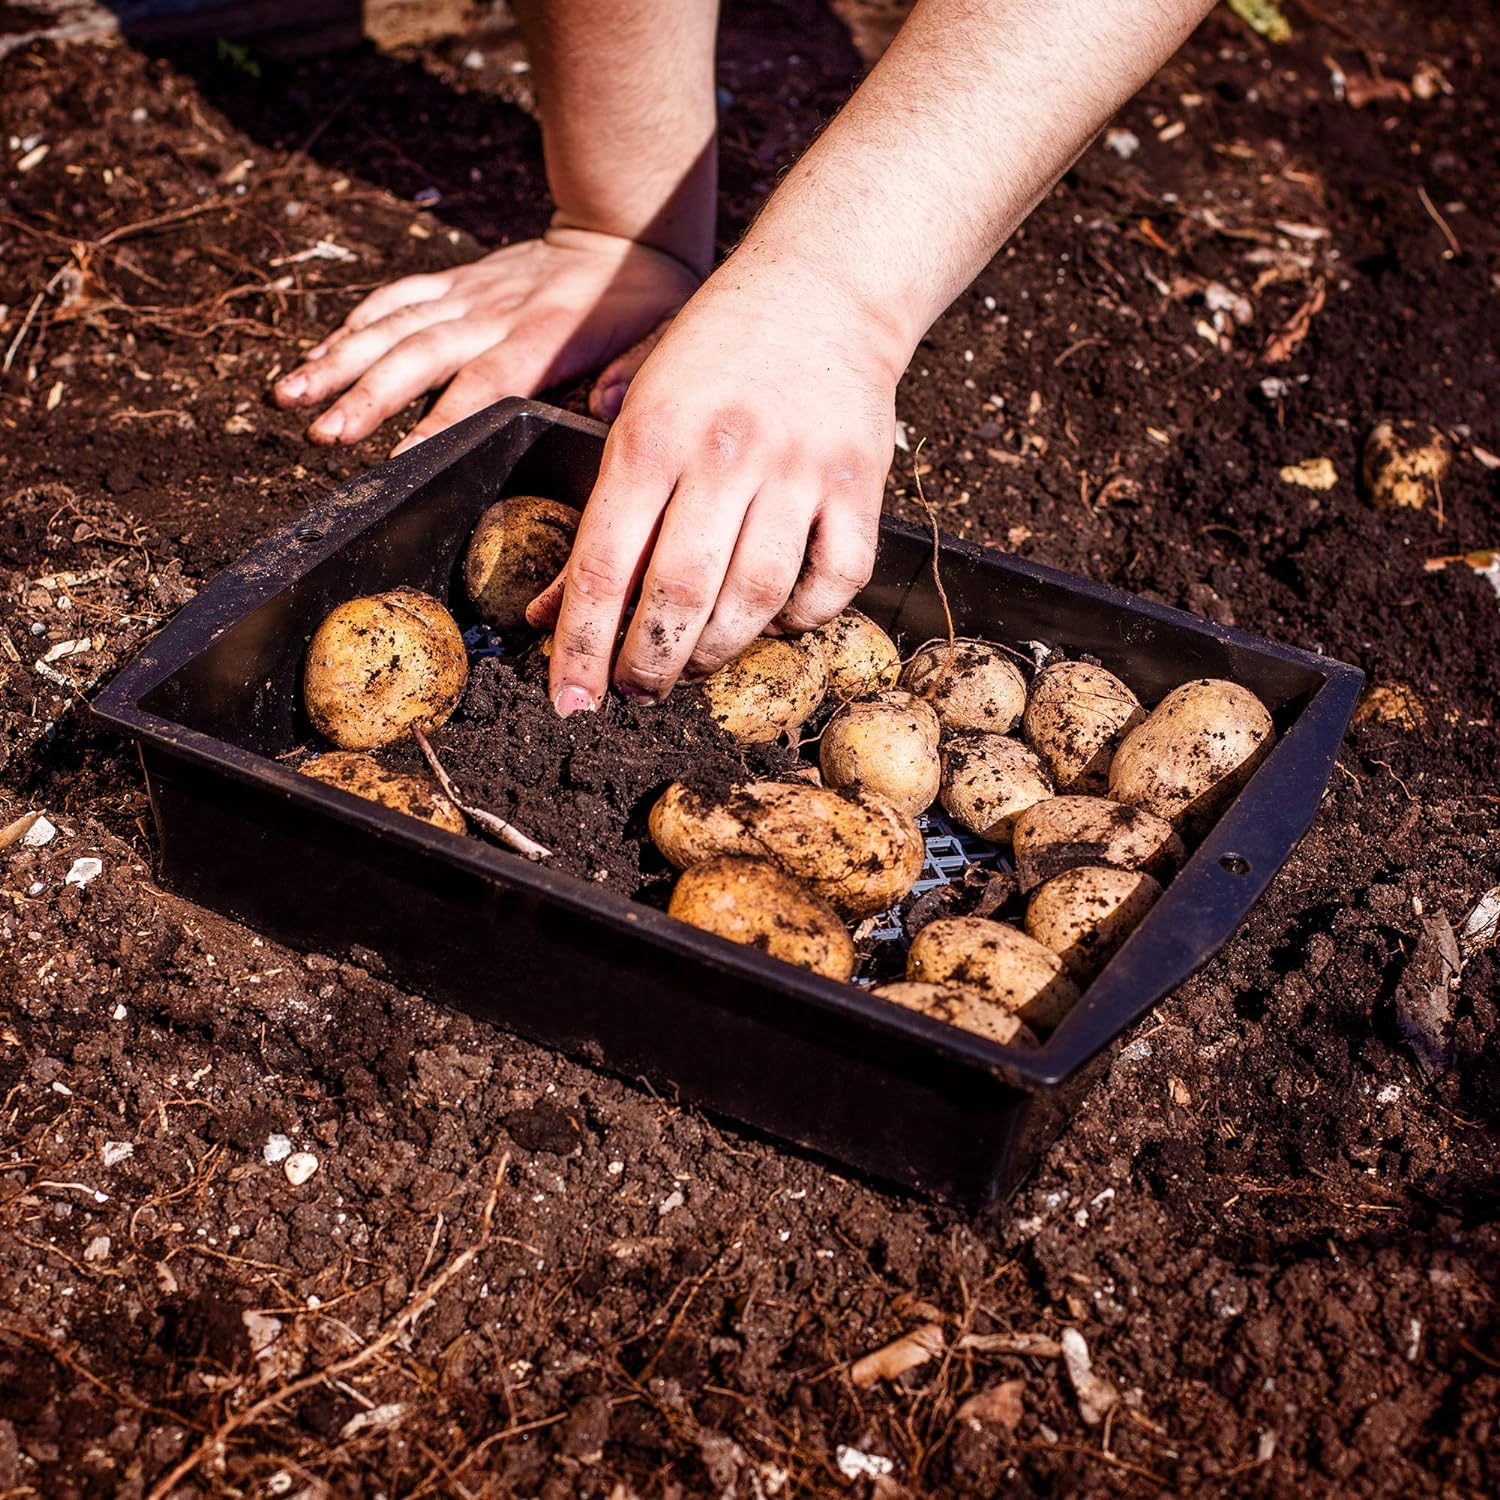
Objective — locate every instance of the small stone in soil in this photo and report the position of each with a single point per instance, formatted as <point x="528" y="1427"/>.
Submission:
<point x="300" y="1165"/>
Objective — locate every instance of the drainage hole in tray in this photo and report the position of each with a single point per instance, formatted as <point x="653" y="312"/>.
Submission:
<point x="1236" y="864"/>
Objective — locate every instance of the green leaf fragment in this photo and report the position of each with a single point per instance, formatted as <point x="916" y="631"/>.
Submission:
<point x="1264" y="17"/>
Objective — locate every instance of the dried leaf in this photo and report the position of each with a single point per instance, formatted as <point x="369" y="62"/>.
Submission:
<point x="1424" y="998"/>
<point x="1394" y="703"/>
<point x="1284" y="343"/>
<point x="896" y="1358"/>
<point x="998" y="1406"/>
<point x="1481" y="927"/>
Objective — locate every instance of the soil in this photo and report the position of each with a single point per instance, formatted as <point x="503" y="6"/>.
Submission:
<point x="1274" y="1224"/>
<point x="583" y="787"/>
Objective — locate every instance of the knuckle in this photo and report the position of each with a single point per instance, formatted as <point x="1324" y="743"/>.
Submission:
<point x="762" y="595"/>
<point x="849" y="574"/>
<point x="638" y="442"/>
<point x="597" y="575"/>
<point x="679" y="591"/>
<point x="729" y="436"/>
<point x="848" y="471"/>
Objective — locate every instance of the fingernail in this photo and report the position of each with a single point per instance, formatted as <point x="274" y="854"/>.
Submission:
<point x="294" y="385"/>
<point x="573" y="700"/>
<point x="610" y="399"/>
<point x="329" y="425"/>
<point x="411" y="440"/>
<point x="635" y="692"/>
<point x="316" y="352"/>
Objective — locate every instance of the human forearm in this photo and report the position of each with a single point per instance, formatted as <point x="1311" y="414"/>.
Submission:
<point x="625" y="91"/>
<point x="971" y="116"/>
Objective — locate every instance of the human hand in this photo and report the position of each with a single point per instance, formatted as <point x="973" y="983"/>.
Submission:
<point x="740" y="488"/>
<point x="509" y="324"/>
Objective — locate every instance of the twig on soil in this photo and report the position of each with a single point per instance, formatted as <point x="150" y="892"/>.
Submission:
<point x="420" y="1301"/>
<point x="30" y="318"/>
<point x="1283" y="344"/>
<point x="1440" y="221"/>
<point x="507" y="833"/>
<point x="931" y="690"/>
<point x="1087" y="1452"/>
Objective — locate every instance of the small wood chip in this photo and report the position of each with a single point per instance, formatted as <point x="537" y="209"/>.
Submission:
<point x="896" y="1358"/>
<point x="996" y="1406"/>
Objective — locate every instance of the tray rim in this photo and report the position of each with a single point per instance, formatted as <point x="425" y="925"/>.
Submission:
<point x="246" y="585"/>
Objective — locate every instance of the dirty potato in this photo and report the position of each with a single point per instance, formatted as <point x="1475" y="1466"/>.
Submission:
<point x="1194" y="752"/>
<point x="1064" y="832"/>
<point x="358" y="774"/>
<point x="989" y="780"/>
<point x="768" y="689"/>
<point x="971" y="684"/>
<point x="1404" y="464"/>
<point x="1001" y="963"/>
<point x="1076" y="715"/>
<point x="381" y="666"/>
<point x="519" y="546"/>
<point x="966" y="1009"/>
<point x="860" y="657"/>
<point x="887" y="744"/>
<point x="853" y="848"/>
<point x="751" y="901"/>
<point x="1085" y="914"/>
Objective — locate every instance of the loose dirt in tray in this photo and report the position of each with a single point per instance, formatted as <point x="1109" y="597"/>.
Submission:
<point x="583" y="787"/>
<point x="1275" y="1223"/>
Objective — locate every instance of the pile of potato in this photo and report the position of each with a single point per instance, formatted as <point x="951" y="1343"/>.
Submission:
<point x="1093" y="795"/>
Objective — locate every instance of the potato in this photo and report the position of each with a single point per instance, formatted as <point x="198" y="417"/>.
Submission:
<point x="1085" y="914"/>
<point x="966" y="1009"/>
<point x="860" y="657"/>
<point x="1190" y="758"/>
<point x="768" y="689"/>
<point x="519" y="546"/>
<point x="358" y="774"/>
<point x="381" y="666"/>
<point x="989" y="781"/>
<point x="1404" y="464"/>
<point x="853" y="848"/>
<point x="1064" y="832"/>
<point x="750" y="901"/>
<point x="981" y="689"/>
<point x="1076" y="716"/>
<point x="1001" y="963"/>
<point x="887" y="744"/>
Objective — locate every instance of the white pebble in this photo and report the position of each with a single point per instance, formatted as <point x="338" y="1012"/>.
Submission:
<point x="277" y="1148"/>
<point x="674" y="1199"/>
<point x="114" y="1152"/>
<point x="42" y="832"/>
<point x="35" y="888"/>
<point x="615" y="1168"/>
<point x="300" y="1165"/>
<point x="84" y="870"/>
<point x="1124" y="143"/>
<point x="853" y="1464"/>
<point x="97" y="1249"/>
<point x="118" y="1013"/>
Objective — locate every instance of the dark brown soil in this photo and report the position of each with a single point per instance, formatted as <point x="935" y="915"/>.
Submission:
<point x="1275" y="1223"/>
<point x="583" y="787"/>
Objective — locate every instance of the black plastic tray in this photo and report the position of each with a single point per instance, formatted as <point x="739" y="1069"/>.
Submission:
<point x="217" y="695"/>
